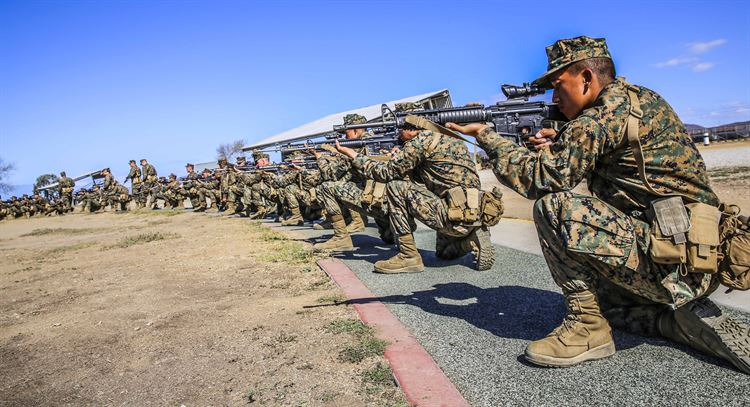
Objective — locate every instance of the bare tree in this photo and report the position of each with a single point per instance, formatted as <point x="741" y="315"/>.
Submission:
<point x="230" y="150"/>
<point x="5" y="170"/>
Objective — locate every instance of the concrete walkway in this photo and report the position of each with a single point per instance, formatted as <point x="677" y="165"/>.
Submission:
<point x="477" y="324"/>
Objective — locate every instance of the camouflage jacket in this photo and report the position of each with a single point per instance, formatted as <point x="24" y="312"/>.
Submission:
<point x="191" y="180"/>
<point x="134" y="175"/>
<point x="228" y="179"/>
<point x="148" y="170"/>
<point x="249" y="178"/>
<point x="332" y="168"/>
<point x="109" y="182"/>
<point x="66" y="182"/>
<point x="438" y="161"/>
<point x="594" y="147"/>
<point x="310" y="179"/>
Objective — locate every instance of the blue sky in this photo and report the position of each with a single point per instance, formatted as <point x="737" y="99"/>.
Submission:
<point x="88" y="84"/>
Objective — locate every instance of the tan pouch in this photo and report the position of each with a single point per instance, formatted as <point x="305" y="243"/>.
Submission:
<point x="456" y="204"/>
<point x="491" y="207"/>
<point x="471" y="214"/>
<point x="669" y="227"/>
<point x="734" y="269"/>
<point x="367" y="192"/>
<point x="703" y="238"/>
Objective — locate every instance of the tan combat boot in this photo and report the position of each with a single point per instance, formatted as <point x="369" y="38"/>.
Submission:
<point x="294" y="220"/>
<point x="359" y="221"/>
<point x="584" y="335"/>
<point x="703" y="326"/>
<point x="231" y="209"/>
<point x="259" y="213"/>
<point x="407" y="260"/>
<point x="341" y="241"/>
<point x="325" y="225"/>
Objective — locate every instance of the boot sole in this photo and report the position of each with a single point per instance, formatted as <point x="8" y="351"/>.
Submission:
<point x="486" y="258"/>
<point x="409" y="269"/>
<point x="728" y="338"/>
<point x="600" y="352"/>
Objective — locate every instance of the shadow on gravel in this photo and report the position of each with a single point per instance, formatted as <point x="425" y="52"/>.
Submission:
<point x="373" y="249"/>
<point x="514" y="312"/>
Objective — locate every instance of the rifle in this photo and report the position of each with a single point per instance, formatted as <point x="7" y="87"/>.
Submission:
<point x="373" y="144"/>
<point x="516" y="118"/>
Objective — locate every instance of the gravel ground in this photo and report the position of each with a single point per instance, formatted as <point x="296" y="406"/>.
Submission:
<point x="731" y="154"/>
<point x="476" y="326"/>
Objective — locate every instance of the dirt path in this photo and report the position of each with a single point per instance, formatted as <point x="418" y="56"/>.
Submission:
<point x="146" y="309"/>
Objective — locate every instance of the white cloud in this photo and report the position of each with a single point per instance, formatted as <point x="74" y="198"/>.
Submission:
<point x="701" y="47"/>
<point x="703" y="66"/>
<point x="695" y="63"/>
<point x="675" y="62"/>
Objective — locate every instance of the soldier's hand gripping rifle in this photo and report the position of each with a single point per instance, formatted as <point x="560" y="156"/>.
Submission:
<point x="516" y="118"/>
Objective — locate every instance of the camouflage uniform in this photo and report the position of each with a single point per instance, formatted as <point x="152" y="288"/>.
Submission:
<point x="585" y="238"/>
<point x="596" y="246"/>
<point x="66" y="185"/>
<point x="171" y="192"/>
<point x="343" y="185"/>
<point x="191" y="189"/>
<point x="149" y="185"/>
<point x="208" y="187"/>
<point x="264" y="195"/>
<point x="136" y="184"/>
<point x="439" y="163"/>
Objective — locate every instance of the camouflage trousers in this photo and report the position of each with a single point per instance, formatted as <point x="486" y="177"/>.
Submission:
<point x="590" y="245"/>
<point x="235" y="194"/>
<point x="332" y="194"/>
<point x="263" y="195"/>
<point x="65" y="199"/>
<point x="294" y="196"/>
<point x="140" y="191"/>
<point x="171" y="197"/>
<point x="409" y="200"/>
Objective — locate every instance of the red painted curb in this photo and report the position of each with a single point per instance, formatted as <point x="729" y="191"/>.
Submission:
<point x="423" y="382"/>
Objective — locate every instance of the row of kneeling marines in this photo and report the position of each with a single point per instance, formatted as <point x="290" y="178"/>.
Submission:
<point x="642" y="252"/>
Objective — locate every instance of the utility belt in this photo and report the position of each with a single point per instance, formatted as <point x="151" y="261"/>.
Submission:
<point x="702" y="239"/>
<point x="67" y="190"/>
<point x="473" y="207"/>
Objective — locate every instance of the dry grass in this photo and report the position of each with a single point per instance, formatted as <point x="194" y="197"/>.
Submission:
<point x="61" y="231"/>
<point x="141" y="239"/>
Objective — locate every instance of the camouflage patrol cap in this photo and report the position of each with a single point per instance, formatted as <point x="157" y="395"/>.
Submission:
<point x="406" y="107"/>
<point x="189" y="165"/>
<point x="565" y="52"/>
<point x="206" y="170"/>
<point x="354" y="118"/>
<point x="62" y="173"/>
<point x="131" y="162"/>
<point x="172" y="175"/>
<point x="241" y="158"/>
<point x="222" y="160"/>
